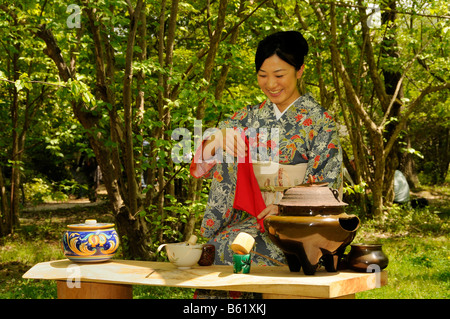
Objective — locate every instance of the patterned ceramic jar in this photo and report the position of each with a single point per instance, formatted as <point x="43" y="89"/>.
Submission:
<point x="90" y="242"/>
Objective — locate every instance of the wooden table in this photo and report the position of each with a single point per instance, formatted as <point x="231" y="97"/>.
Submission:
<point x="115" y="278"/>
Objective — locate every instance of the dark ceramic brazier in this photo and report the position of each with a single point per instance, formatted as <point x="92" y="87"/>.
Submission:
<point x="312" y="226"/>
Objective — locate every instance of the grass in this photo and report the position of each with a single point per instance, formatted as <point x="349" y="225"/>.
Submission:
<point x="418" y="269"/>
<point x="416" y="242"/>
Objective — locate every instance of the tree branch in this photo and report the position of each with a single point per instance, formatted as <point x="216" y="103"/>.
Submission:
<point x="360" y="6"/>
<point x="213" y="47"/>
<point x="411" y="108"/>
<point x="399" y="84"/>
<point x="350" y="91"/>
<point x="54" y="52"/>
<point x="204" y="51"/>
<point x="370" y="56"/>
<point x="39" y="82"/>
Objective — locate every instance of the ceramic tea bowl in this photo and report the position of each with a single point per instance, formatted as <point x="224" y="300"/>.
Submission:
<point x="183" y="255"/>
<point x="90" y="241"/>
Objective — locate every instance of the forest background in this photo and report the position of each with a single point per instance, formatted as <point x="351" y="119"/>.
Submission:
<point x="100" y="86"/>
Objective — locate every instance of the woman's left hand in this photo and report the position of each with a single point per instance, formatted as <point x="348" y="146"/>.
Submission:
<point x="271" y="210"/>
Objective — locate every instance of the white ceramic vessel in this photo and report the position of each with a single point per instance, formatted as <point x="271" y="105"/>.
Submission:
<point x="183" y="255"/>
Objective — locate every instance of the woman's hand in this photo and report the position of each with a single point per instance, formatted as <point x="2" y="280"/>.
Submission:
<point x="233" y="143"/>
<point x="228" y="139"/>
<point x="271" y="210"/>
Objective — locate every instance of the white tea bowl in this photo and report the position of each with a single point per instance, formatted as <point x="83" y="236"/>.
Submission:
<point x="183" y="255"/>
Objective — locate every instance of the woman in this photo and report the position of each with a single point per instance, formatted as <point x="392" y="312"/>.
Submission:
<point x="291" y="137"/>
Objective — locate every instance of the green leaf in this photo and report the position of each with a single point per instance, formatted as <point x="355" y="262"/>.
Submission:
<point x="19" y="85"/>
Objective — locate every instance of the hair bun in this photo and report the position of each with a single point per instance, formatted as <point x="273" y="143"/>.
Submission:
<point x="290" y="46"/>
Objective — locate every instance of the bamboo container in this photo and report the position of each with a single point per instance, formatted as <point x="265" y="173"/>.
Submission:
<point x="243" y="243"/>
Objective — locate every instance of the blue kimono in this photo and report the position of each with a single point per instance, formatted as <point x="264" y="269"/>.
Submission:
<point x="305" y="133"/>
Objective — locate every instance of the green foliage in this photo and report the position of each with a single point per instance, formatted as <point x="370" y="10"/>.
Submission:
<point x="54" y="138"/>
<point x="176" y="215"/>
<point x="39" y="190"/>
<point x="403" y="220"/>
<point x="431" y="138"/>
<point x="355" y="189"/>
<point x="418" y="269"/>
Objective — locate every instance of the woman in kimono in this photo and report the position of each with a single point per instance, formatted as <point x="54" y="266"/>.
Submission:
<point x="290" y="138"/>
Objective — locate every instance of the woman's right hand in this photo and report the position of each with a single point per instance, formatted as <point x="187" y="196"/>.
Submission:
<point x="228" y="139"/>
<point x="233" y="143"/>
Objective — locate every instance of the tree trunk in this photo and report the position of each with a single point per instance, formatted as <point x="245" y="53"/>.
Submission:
<point x="158" y="200"/>
<point x="391" y="83"/>
<point x="213" y="47"/>
<point x="132" y="200"/>
<point x="6" y="226"/>
<point x="123" y="205"/>
<point x="407" y="166"/>
<point x="215" y="38"/>
<point x="16" y="154"/>
<point x="379" y="174"/>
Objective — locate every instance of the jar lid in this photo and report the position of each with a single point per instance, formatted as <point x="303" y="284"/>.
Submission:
<point x="90" y="224"/>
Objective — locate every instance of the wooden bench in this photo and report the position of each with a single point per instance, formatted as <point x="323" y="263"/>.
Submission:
<point x="115" y="278"/>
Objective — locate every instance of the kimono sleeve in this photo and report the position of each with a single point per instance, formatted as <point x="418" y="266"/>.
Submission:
<point x="200" y="167"/>
<point x="325" y="154"/>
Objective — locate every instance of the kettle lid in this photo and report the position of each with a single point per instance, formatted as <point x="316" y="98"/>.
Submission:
<point x="311" y="195"/>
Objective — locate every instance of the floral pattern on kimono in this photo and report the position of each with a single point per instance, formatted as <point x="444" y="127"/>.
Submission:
<point x="307" y="134"/>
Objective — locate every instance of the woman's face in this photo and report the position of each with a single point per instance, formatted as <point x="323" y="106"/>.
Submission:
<point x="278" y="80"/>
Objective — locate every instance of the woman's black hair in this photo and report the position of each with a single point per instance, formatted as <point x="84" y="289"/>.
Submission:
<point x="290" y="46"/>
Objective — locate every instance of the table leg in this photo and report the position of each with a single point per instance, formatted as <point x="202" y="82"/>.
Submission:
<point x="93" y="290"/>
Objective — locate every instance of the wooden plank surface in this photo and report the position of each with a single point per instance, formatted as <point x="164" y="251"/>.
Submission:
<point x="262" y="279"/>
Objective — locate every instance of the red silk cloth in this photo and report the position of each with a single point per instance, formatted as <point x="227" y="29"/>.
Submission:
<point x="248" y="196"/>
